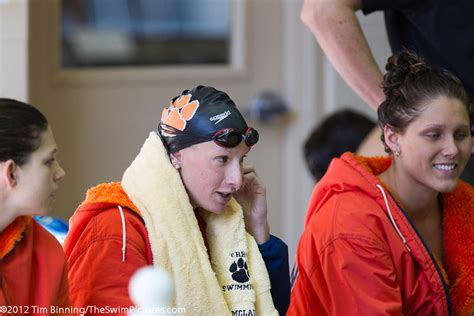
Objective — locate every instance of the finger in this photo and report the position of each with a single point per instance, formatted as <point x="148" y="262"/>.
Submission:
<point x="250" y="178"/>
<point x="249" y="175"/>
<point x="248" y="169"/>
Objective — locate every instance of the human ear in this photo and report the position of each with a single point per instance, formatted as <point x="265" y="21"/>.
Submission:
<point x="392" y="139"/>
<point x="9" y="169"/>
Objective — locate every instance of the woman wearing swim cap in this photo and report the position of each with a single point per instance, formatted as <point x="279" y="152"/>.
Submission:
<point x="188" y="204"/>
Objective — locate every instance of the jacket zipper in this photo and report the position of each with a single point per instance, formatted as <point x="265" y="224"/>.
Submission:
<point x="445" y="286"/>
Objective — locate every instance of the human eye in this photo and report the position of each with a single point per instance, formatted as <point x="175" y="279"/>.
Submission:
<point x="242" y="159"/>
<point x="432" y="135"/>
<point x="222" y="159"/>
<point x="461" y="135"/>
<point x="50" y="161"/>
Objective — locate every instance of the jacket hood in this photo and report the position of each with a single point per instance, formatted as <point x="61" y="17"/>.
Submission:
<point x="99" y="198"/>
<point x="105" y="196"/>
<point x="349" y="173"/>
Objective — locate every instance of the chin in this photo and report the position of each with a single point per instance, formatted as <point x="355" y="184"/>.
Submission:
<point x="216" y="209"/>
<point x="447" y="187"/>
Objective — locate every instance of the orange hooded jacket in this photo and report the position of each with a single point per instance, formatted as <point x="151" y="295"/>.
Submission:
<point x="95" y="242"/>
<point x="361" y="255"/>
<point x="33" y="271"/>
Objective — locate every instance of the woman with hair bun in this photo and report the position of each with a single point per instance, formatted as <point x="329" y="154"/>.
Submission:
<point x="393" y="235"/>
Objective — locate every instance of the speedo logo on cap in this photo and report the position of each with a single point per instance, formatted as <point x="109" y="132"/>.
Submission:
<point x="219" y="117"/>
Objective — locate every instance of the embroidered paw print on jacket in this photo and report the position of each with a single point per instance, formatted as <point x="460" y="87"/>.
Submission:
<point x="179" y="112"/>
<point x="240" y="271"/>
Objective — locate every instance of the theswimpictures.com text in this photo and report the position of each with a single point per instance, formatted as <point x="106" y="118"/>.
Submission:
<point x="85" y="310"/>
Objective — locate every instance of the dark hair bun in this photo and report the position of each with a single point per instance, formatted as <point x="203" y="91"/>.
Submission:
<point x="409" y="83"/>
<point x="401" y="66"/>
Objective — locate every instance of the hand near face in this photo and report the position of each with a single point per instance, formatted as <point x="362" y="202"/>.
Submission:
<point x="253" y="199"/>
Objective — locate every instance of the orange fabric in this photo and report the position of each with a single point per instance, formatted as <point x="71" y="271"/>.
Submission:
<point x="12" y="234"/>
<point x="351" y="260"/>
<point x="459" y="247"/>
<point x="112" y="193"/>
<point x="34" y="272"/>
<point x="94" y="243"/>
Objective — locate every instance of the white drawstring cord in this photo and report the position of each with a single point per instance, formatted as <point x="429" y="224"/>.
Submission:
<point x="124" y="233"/>
<point x="391" y="217"/>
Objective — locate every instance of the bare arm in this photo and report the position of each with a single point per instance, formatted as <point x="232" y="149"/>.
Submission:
<point x="338" y="32"/>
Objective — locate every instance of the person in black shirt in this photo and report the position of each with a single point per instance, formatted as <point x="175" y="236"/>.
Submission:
<point x="440" y="31"/>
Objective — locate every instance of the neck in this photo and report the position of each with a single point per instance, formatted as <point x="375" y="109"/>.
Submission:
<point x="6" y="216"/>
<point x="418" y="200"/>
<point x="5" y="221"/>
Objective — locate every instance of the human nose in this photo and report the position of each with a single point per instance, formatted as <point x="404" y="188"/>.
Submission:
<point x="60" y="173"/>
<point x="234" y="176"/>
<point x="451" y="147"/>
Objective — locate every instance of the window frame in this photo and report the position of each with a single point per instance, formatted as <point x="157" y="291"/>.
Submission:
<point x="154" y="74"/>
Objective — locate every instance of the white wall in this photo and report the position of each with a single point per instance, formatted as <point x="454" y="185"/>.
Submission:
<point x="14" y="49"/>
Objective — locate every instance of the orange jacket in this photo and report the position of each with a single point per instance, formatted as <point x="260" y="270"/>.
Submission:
<point x="99" y="265"/>
<point x="33" y="271"/>
<point x="356" y="257"/>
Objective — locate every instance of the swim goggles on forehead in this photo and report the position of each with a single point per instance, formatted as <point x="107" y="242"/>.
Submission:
<point x="229" y="137"/>
<point x="226" y="137"/>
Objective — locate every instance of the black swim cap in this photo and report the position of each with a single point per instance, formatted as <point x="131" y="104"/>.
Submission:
<point x="196" y="115"/>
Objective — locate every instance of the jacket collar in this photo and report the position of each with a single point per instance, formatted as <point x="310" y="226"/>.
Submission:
<point x="108" y="193"/>
<point x="12" y="234"/>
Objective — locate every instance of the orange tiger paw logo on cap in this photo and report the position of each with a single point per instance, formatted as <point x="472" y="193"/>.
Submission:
<point x="179" y="112"/>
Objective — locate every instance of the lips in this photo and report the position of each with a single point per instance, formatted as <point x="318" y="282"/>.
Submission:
<point x="445" y="166"/>
<point x="446" y="169"/>
<point x="225" y="196"/>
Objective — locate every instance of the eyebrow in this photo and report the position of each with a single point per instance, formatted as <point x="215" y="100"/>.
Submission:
<point x="442" y="126"/>
<point x="53" y="151"/>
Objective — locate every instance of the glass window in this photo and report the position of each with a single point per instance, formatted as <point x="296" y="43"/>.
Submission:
<point x="104" y="33"/>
